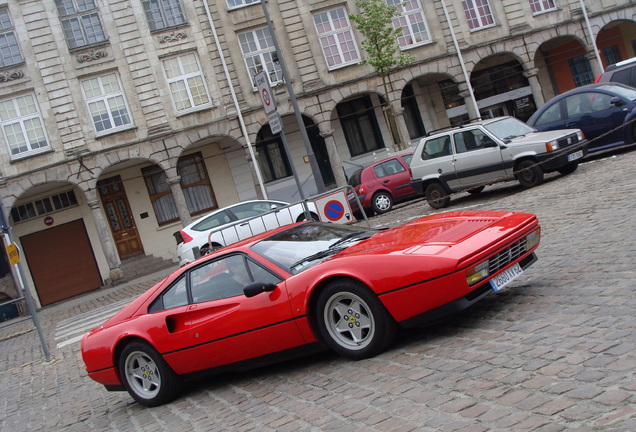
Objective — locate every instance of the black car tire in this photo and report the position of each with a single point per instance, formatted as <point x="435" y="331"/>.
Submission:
<point x="314" y="217"/>
<point x="529" y="173"/>
<point x="436" y="196"/>
<point x="569" y="168"/>
<point x="382" y="202"/>
<point x="352" y="321"/>
<point x="206" y="249"/>
<point x="147" y="376"/>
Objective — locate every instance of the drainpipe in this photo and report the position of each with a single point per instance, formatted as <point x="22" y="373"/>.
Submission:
<point x="235" y="100"/>
<point x="592" y="40"/>
<point x="461" y="59"/>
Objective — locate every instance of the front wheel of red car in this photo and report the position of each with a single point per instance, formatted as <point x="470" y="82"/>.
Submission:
<point x="146" y="375"/>
<point x="352" y="320"/>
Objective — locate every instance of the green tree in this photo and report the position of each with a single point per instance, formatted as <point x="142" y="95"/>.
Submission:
<point x="375" y="23"/>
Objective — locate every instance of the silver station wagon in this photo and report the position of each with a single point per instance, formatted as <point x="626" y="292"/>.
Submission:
<point x="471" y="156"/>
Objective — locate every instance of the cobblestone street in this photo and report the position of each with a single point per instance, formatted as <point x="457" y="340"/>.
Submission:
<point x="554" y="351"/>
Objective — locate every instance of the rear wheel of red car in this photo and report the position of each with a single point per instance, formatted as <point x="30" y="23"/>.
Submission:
<point x="436" y="196"/>
<point x="146" y="375"/>
<point x="529" y="173"/>
<point x="353" y="321"/>
<point x="382" y="202"/>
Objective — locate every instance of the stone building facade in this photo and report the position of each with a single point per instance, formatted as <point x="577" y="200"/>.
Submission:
<point x="122" y="121"/>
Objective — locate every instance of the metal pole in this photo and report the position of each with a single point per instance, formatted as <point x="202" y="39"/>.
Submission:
<point x="19" y="275"/>
<point x="315" y="169"/>
<point x="592" y="41"/>
<point x="461" y="59"/>
<point x="235" y="101"/>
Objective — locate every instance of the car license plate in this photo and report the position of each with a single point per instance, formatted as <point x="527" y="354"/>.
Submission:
<point x="505" y="277"/>
<point x="576" y="155"/>
<point x="350" y="196"/>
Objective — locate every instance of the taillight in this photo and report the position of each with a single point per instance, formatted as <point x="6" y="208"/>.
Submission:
<point x="361" y="190"/>
<point x="186" y="238"/>
<point x="598" y="78"/>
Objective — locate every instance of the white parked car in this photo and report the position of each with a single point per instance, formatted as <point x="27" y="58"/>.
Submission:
<point x="226" y="227"/>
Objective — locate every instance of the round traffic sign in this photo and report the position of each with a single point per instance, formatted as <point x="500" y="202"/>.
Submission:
<point x="334" y="210"/>
<point x="266" y="99"/>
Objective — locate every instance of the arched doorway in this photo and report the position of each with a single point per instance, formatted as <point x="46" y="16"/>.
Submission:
<point x="563" y="65"/>
<point x="501" y="88"/>
<point x="617" y="41"/>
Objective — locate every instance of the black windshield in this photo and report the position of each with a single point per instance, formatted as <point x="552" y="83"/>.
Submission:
<point x="303" y="246"/>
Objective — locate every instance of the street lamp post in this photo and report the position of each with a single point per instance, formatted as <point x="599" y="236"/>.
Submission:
<point x="313" y="163"/>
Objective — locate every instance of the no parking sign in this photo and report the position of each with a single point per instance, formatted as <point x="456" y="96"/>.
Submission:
<point x="334" y="208"/>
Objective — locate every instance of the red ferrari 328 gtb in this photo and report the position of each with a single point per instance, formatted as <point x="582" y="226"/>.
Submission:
<point x="304" y="287"/>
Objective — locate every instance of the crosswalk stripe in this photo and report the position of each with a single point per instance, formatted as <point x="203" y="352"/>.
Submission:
<point x="71" y="330"/>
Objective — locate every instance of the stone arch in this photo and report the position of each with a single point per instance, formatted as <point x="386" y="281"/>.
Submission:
<point x="501" y="86"/>
<point x="41" y="181"/>
<point x="614" y="41"/>
<point x="430" y="100"/>
<point x="359" y="124"/>
<point x="557" y="58"/>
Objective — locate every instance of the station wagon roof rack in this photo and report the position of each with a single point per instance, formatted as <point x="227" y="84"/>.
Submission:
<point x="455" y="126"/>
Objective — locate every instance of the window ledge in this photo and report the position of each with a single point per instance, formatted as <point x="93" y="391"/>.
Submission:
<point x="93" y="46"/>
<point x="113" y="131"/>
<point x="417" y="45"/>
<point x="489" y="26"/>
<point x="22" y="156"/>
<point x="194" y="110"/>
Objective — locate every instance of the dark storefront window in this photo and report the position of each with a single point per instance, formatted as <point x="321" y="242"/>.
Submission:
<point x="360" y="126"/>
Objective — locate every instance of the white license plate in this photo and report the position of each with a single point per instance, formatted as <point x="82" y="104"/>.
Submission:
<point x="350" y="197"/>
<point x="576" y="155"/>
<point x="505" y="277"/>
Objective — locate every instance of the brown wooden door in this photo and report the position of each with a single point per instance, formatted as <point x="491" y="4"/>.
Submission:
<point x="120" y="218"/>
<point x="61" y="262"/>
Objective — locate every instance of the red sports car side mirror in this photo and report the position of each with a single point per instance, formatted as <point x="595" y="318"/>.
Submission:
<point x="256" y="288"/>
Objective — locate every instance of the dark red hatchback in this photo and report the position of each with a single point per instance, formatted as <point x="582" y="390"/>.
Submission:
<point x="382" y="183"/>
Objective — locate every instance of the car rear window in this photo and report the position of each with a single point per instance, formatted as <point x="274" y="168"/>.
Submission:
<point x="355" y="178"/>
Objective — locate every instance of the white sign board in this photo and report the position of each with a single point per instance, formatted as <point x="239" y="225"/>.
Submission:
<point x="275" y="123"/>
<point x="334" y="208"/>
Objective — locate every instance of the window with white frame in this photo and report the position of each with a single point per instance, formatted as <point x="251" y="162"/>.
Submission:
<point x="81" y="22"/>
<point x="412" y="22"/>
<point x="539" y="6"/>
<point x="478" y="14"/>
<point x="22" y="126"/>
<point x="163" y="14"/>
<point x="238" y="3"/>
<point x="106" y="103"/>
<point x="336" y="38"/>
<point x="186" y="82"/>
<point x="9" y="49"/>
<point x="258" y="49"/>
<point x="195" y="184"/>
